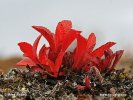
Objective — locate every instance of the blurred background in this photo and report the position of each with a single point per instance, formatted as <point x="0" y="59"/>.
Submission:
<point x="110" y="20"/>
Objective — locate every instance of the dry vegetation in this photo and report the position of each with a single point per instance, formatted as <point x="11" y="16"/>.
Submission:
<point x="7" y="63"/>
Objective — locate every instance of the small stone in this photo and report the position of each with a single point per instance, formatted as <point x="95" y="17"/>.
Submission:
<point x="112" y="91"/>
<point x="1" y="90"/>
<point x="1" y="97"/>
<point x="130" y="76"/>
<point x="24" y="90"/>
<point x="74" y="84"/>
<point x="29" y="84"/>
<point x="13" y="97"/>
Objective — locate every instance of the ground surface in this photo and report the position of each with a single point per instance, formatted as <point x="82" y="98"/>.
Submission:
<point x="18" y="84"/>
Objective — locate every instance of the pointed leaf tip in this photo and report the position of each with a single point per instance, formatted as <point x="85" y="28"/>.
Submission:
<point x="99" y="52"/>
<point x="91" y="42"/>
<point x="35" y="45"/>
<point x="117" y="58"/>
<point x="87" y="82"/>
<point x="48" y="35"/>
<point x="25" y="47"/>
<point x="25" y="62"/>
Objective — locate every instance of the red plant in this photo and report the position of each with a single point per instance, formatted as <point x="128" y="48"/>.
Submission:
<point x="110" y="60"/>
<point x="83" y="57"/>
<point x="49" y="58"/>
<point x="84" y="53"/>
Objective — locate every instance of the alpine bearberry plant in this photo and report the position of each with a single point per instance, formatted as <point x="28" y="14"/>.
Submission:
<point x="52" y="58"/>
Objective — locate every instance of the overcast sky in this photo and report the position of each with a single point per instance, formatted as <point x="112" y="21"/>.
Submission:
<point x="110" y="20"/>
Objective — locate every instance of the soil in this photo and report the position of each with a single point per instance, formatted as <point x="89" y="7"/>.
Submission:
<point x="26" y="85"/>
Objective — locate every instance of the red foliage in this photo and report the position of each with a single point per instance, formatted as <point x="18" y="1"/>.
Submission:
<point x="107" y="63"/>
<point x="50" y="58"/>
<point x="84" y="53"/>
<point x="83" y="57"/>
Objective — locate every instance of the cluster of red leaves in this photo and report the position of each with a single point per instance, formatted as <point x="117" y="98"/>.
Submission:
<point x="49" y="58"/>
<point x="109" y="62"/>
<point x="52" y="58"/>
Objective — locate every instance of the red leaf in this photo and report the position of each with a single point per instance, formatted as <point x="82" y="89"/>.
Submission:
<point x="83" y="47"/>
<point x="43" y="52"/>
<point x="87" y="82"/>
<point x="108" y="60"/>
<point x="64" y="25"/>
<point x="91" y="42"/>
<point x="99" y="52"/>
<point x="108" y="52"/>
<point x="62" y="28"/>
<point x="90" y="58"/>
<point x="53" y="55"/>
<point x="117" y="58"/>
<point x="35" y="45"/>
<point x="80" y="87"/>
<point x="58" y="62"/>
<point x="26" y="48"/>
<point x="69" y="38"/>
<point x="47" y="34"/>
<point x="79" y="53"/>
<point x="86" y="68"/>
<point x="48" y="64"/>
<point x="89" y="47"/>
<point x="25" y="62"/>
